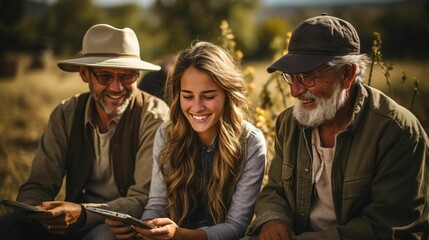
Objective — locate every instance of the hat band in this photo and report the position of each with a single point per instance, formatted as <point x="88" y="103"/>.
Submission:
<point x="110" y="55"/>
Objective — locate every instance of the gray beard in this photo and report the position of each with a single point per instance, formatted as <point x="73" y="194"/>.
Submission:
<point x="110" y="111"/>
<point x="106" y="108"/>
<point x="326" y="109"/>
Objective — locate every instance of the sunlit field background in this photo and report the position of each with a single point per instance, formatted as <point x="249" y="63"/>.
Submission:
<point x="28" y="99"/>
<point x="257" y="32"/>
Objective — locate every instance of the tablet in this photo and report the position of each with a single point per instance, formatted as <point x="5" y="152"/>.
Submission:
<point x="125" y="218"/>
<point x="21" y="206"/>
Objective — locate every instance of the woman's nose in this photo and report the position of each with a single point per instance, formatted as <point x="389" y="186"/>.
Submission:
<point x="198" y="105"/>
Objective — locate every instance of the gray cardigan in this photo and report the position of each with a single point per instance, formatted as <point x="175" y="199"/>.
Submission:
<point x="244" y="197"/>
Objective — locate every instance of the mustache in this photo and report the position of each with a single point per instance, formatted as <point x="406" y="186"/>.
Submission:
<point x="307" y="95"/>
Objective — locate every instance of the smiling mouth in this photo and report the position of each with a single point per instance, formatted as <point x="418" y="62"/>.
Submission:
<point x="306" y="101"/>
<point x="200" y="117"/>
<point x="306" y="98"/>
<point x="115" y="96"/>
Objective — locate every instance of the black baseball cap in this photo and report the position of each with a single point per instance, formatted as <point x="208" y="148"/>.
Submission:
<point x="316" y="41"/>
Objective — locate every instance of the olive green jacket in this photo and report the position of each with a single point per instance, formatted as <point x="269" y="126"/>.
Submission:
<point x="50" y="164"/>
<point x="379" y="173"/>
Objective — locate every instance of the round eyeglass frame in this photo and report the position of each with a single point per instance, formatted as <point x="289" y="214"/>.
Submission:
<point x="306" y="79"/>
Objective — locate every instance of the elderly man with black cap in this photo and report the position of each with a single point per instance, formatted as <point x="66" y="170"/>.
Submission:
<point x="101" y="141"/>
<point x="349" y="162"/>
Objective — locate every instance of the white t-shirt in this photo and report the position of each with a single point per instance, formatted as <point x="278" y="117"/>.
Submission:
<point x="322" y="214"/>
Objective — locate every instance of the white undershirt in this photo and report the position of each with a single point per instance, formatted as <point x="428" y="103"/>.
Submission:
<point x="322" y="214"/>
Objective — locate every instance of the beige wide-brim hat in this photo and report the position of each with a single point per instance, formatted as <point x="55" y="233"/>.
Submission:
<point x="107" y="46"/>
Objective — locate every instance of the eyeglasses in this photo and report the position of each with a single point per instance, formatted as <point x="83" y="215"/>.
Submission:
<point x="106" y="79"/>
<point x="306" y="79"/>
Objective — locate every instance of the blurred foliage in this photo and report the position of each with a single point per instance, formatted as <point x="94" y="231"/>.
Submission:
<point x="268" y="30"/>
<point x="11" y="13"/>
<point x="188" y="20"/>
<point x="377" y="58"/>
<point x="257" y="116"/>
<point x="63" y="24"/>
<point x="387" y="69"/>
<point x="402" y="23"/>
<point x="171" y="25"/>
<point x="67" y="21"/>
<point x="408" y="30"/>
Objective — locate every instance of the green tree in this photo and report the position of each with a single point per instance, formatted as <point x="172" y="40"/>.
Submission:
<point x="127" y="15"/>
<point x="141" y="21"/>
<point x="270" y="29"/>
<point x="67" y="21"/>
<point x="410" y="31"/>
<point x="11" y="13"/>
<point x="188" y="20"/>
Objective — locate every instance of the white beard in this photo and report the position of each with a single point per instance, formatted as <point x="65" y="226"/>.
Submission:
<point x="325" y="110"/>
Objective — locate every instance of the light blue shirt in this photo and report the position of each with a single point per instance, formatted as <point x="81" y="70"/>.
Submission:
<point x="244" y="197"/>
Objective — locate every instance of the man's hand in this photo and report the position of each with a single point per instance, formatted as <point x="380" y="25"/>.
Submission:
<point x="60" y="217"/>
<point x="120" y="229"/>
<point x="276" y="230"/>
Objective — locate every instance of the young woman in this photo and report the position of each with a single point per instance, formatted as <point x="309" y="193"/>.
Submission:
<point x="208" y="161"/>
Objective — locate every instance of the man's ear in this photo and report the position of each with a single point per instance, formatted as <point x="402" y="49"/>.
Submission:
<point x="84" y="73"/>
<point x="349" y="75"/>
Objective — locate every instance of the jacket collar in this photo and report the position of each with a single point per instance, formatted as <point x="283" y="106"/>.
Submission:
<point x="359" y="105"/>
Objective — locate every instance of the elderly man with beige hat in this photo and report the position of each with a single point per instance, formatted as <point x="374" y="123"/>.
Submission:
<point x="100" y="142"/>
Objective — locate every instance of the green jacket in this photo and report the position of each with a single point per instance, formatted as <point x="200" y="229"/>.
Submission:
<point x="50" y="164"/>
<point x="379" y="173"/>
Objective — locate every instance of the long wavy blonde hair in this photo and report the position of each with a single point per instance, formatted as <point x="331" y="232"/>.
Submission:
<point x="179" y="160"/>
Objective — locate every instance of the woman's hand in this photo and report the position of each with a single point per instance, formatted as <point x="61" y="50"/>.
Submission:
<point x="165" y="228"/>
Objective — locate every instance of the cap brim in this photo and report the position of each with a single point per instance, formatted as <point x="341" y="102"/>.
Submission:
<point x="298" y="63"/>
<point x="71" y="65"/>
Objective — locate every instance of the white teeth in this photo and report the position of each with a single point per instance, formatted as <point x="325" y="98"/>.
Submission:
<point x="305" y="101"/>
<point x="200" y="118"/>
<point x="115" y="97"/>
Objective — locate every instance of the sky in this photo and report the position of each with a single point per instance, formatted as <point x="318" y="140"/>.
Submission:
<point x="146" y="3"/>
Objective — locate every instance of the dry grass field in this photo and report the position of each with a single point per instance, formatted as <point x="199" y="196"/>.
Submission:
<point x="29" y="97"/>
